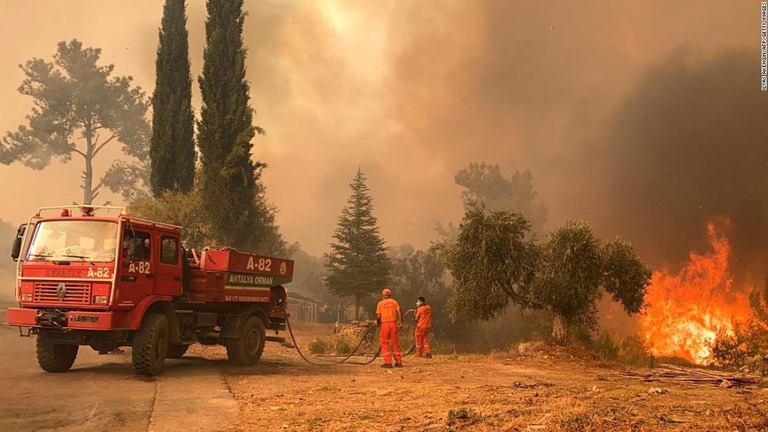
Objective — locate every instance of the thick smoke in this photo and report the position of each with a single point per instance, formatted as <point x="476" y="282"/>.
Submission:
<point x="411" y="92"/>
<point x="690" y="144"/>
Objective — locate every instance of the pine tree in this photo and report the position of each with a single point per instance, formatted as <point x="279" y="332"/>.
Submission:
<point x="225" y="130"/>
<point x="357" y="264"/>
<point x="172" y="151"/>
<point x="80" y="108"/>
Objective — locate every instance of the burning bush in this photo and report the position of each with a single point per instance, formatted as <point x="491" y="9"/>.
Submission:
<point x="733" y="349"/>
<point x="689" y="307"/>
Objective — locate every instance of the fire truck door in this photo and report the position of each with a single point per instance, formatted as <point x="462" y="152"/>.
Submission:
<point x="169" y="270"/>
<point x="137" y="272"/>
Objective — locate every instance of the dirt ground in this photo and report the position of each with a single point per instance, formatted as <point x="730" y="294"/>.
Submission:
<point x="536" y="387"/>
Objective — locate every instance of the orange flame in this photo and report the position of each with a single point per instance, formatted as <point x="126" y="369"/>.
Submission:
<point x="688" y="308"/>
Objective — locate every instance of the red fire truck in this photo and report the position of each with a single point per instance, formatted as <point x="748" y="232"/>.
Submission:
<point x="95" y="276"/>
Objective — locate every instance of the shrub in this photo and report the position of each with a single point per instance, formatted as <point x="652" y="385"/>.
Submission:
<point x="606" y="347"/>
<point x="342" y="347"/>
<point x="463" y="415"/>
<point x="318" y="346"/>
<point x="633" y="351"/>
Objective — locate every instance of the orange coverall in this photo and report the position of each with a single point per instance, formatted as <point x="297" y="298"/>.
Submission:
<point x="388" y="310"/>
<point x="423" y="324"/>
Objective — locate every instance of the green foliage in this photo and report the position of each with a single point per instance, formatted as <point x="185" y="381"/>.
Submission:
<point x="568" y="279"/>
<point x="491" y="261"/>
<point x="575" y="271"/>
<point x="122" y="176"/>
<point x="318" y="346"/>
<point x="186" y="210"/>
<point x="606" y="347"/>
<point x="79" y="109"/>
<point x="485" y="184"/>
<point x="172" y="151"/>
<point x="225" y="130"/>
<point x="732" y="349"/>
<point x="421" y="273"/>
<point x="266" y="237"/>
<point x="343" y="347"/>
<point x="625" y="277"/>
<point x="357" y="263"/>
<point x="757" y="302"/>
<point x="748" y="338"/>
<point x="729" y="350"/>
<point x="308" y="275"/>
<point x="178" y="208"/>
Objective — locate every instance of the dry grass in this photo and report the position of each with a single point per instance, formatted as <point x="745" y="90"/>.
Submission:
<point x="536" y="387"/>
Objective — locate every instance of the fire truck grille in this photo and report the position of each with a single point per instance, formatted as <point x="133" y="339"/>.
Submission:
<point x="79" y="293"/>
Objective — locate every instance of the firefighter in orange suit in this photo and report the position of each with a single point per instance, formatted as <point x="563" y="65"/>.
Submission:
<point x="389" y="318"/>
<point x="423" y="324"/>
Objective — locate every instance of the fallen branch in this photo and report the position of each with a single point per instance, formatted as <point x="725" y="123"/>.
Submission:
<point x="672" y="373"/>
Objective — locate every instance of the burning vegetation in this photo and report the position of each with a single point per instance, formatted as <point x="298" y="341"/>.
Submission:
<point x="689" y="308"/>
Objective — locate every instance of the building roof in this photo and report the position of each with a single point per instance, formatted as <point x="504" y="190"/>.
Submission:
<point x="297" y="296"/>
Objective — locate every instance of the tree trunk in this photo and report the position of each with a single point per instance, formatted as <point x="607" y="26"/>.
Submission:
<point x="88" y="182"/>
<point x="357" y="307"/>
<point x="558" y="329"/>
<point x="88" y="172"/>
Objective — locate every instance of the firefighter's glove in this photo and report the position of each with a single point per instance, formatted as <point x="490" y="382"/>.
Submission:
<point x="399" y="325"/>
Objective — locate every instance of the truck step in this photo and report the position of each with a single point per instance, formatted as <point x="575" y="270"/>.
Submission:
<point x="275" y="338"/>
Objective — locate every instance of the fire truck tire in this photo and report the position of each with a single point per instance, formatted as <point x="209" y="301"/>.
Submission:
<point x="176" y="351"/>
<point x="53" y="357"/>
<point x="150" y="345"/>
<point x="247" y="349"/>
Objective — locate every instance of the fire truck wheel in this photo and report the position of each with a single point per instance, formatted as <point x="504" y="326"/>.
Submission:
<point x="176" y="351"/>
<point x="150" y="345"/>
<point x="247" y="349"/>
<point x="53" y="357"/>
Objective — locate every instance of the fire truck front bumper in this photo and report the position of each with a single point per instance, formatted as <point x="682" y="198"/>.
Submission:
<point x="54" y="318"/>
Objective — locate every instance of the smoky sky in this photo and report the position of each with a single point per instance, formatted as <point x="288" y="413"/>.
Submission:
<point x="688" y="144"/>
<point x="412" y="92"/>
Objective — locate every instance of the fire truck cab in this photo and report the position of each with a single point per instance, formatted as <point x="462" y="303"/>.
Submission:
<point x="94" y="276"/>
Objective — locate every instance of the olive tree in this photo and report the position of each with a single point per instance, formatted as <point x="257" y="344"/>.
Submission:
<point x="491" y="261"/>
<point x="494" y="265"/>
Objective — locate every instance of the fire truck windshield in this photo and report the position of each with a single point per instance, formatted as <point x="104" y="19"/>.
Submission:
<point x="63" y="240"/>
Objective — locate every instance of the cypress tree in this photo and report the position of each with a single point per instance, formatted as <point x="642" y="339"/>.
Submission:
<point x="172" y="151"/>
<point x="225" y="129"/>
<point x="357" y="264"/>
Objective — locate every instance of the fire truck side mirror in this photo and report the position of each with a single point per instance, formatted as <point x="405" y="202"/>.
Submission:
<point x="16" y="249"/>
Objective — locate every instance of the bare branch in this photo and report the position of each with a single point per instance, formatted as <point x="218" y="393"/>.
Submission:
<point x="78" y="152"/>
<point x="101" y="146"/>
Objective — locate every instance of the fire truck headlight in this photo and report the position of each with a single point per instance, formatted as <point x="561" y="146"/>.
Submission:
<point x="100" y="299"/>
<point x="26" y="297"/>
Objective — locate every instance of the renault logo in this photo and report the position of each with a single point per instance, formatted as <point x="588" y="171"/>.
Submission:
<point x="61" y="291"/>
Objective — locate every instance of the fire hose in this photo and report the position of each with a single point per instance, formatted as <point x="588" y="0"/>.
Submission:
<point x="362" y="338"/>
<point x="344" y="360"/>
